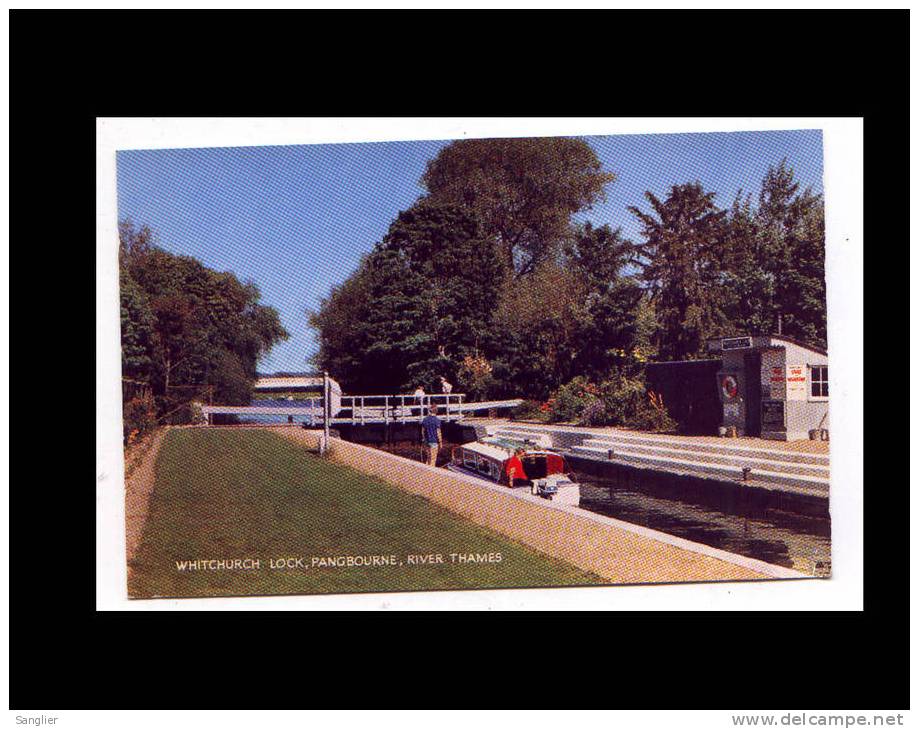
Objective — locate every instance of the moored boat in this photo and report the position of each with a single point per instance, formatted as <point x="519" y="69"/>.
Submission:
<point x="546" y="471"/>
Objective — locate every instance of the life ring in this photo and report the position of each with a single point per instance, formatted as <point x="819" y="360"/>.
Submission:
<point x="729" y="386"/>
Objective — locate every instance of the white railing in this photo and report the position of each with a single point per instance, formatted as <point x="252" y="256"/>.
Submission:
<point x="357" y="409"/>
<point x="399" y="408"/>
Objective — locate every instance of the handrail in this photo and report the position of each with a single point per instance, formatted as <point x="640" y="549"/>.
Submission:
<point x="365" y="409"/>
<point x="375" y="405"/>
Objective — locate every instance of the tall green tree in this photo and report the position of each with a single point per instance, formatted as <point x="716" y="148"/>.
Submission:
<point x="337" y="323"/>
<point x="749" y="286"/>
<point x="523" y="191"/>
<point x="608" y="324"/>
<point x="682" y="260"/>
<point x="539" y="322"/>
<point x="791" y="244"/>
<point x="776" y="273"/>
<point x="137" y="330"/>
<point x="195" y="326"/>
<point x="572" y="316"/>
<point x="417" y="306"/>
<point x="804" y="313"/>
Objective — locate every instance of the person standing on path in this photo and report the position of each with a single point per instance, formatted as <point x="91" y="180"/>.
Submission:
<point x="431" y="436"/>
<point x="446" y="388"/>
<point x="419" y="398"/>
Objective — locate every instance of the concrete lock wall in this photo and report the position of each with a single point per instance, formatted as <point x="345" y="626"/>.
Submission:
<point x="615" y="550"/>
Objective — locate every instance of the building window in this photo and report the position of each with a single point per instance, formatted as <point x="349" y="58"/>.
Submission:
<point x="820" y="381"/>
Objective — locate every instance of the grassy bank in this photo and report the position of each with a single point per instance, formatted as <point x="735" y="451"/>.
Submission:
<point x="225" y="494"/>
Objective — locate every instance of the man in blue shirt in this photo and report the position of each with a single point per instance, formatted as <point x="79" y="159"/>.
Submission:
<point x="430" y="435"/>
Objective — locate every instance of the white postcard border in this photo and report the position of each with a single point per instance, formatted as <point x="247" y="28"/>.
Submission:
<point x="843" y="185"/>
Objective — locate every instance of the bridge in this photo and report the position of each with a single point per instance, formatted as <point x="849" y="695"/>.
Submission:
<point x="299" y="382"/>
<point x="364" y="409"/>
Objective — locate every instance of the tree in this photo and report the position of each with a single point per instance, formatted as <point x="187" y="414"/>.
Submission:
<point x="682" y="260"/>
<point x="137" y="332"/>
<point x="749" y="285"/>
<point x="804" y="311"/>
<point x="608" y="326"/>
<point x="336" y="324"/>
<point x="575" y="315"/>
<point x="776" y="271"/>
<point x="187" y="326"/>
<point x="416" y="307"/>
<point x="522" y="191"/>
<point x="791" y="247"/>
<point x="539" y="327"/>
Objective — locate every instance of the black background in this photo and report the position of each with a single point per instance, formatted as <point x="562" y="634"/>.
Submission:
<point x="69" y="67"/>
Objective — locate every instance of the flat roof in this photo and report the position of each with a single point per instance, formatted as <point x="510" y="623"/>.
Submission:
<point x="708" y="360"/>
<point x="781" y="337"/>
<point x="268" y="376"/>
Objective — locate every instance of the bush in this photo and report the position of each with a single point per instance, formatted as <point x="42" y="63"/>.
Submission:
<point x="528" y="410"/>
<point x="475" y="376"/>
<point x="652" y="415"/>
<point x="620" y="400"/>
<point x="138" y="417"/>
<point x="623" y="397"/>
<point x="197" y="413"/>
<point x="593" y="413"/>
<point x="569" y="401"/>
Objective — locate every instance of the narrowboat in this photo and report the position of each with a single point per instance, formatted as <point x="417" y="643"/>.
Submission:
<point x="545" y="470"/>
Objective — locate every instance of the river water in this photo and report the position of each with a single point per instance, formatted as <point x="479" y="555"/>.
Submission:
<point x="775" y="536"/>
<point x="772" y="535"/>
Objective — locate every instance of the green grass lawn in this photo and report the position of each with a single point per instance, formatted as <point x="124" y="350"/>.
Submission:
<point x="247" y="494"/>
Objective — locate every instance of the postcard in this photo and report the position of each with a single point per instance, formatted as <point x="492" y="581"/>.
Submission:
<point x="477" y="363"/>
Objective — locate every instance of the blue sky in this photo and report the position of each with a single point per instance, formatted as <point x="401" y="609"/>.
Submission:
<point x="295" y="220"/>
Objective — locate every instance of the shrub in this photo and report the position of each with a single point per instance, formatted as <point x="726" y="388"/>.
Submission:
<point x="138" y="416"/>
<point x="652" y="415"/>
<point x="528" y="410"/>
<point x="475" y="376"/>
<point x="197" y="413"/>
<point x="593" y="413"/>
<point x="569" y="400"/>
<point x="620" y="400"/>
<point x="623" y="397"/>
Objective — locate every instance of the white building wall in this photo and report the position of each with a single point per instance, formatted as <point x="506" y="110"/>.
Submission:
<point x="785" y="376"/>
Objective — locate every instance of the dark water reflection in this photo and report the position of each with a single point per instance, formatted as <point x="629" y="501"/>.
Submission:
<point x="778" y="537"/>
<point x="740" y="524"/>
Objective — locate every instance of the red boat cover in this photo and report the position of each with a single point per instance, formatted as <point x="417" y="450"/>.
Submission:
<point x="554" y="464"/>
